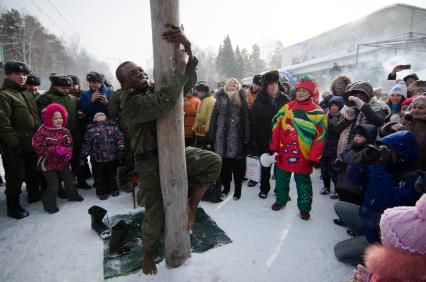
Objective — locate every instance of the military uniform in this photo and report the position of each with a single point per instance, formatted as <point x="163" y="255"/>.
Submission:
<point x="70" y="103"/>
<point x="140" y="111"/>
<point x="115" y="107"/>
<point x="19" y="120"/>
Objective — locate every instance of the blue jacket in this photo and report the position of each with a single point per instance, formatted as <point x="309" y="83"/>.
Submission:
<point x="89" y="108"/>
<point x="390" y="186"/>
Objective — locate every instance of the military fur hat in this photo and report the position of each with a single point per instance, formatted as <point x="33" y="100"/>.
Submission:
<point x="202" y="86"/>
<point x="33" y="80"/>
<point x="257" y="79"/>
<point x="16" y="66"/>
<point x="61" y="80"/>
<point x="95" y="77"/>
<point x="270" y="77"/>
<point x="75" y="79"/>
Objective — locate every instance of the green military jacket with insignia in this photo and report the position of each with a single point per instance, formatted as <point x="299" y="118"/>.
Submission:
<point x="70" y="103"/>
<point x="19" y="116"/>
<point x="141" y="110"/>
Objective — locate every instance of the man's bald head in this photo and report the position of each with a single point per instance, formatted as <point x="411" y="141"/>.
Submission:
<point x="131" y="75"/>
<point x="119" y="71"/>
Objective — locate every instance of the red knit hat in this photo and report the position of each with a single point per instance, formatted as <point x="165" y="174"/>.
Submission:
<point x="50" y="110"/>
<point x="307" y="82"/>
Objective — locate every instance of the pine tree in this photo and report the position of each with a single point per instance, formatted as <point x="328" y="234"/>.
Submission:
<point x="226" y="64"/>
<point x="258" y="65"/>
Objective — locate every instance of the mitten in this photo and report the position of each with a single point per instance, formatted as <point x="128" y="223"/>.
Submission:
<point x="61" y="151"/>
<point x="358" y="103"/>
<point x="348" y="112"/>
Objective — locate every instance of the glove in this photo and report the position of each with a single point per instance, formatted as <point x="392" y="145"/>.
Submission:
<point x="348" y="112"/>
<point x="68" y="156"/>
<point x="61" y="151"/>
<point x="358" y="103"/>
<point x="361" y="274"/>
<point x="374" y="155"/>
<point x="18" y="151"/>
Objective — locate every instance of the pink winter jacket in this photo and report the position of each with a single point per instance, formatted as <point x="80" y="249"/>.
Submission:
<point x="55" y="145"/>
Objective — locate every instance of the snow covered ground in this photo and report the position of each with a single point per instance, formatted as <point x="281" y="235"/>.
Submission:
<point x="267" y="245"/>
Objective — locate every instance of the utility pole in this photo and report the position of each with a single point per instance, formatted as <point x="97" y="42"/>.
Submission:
<point x="170" y="138"/>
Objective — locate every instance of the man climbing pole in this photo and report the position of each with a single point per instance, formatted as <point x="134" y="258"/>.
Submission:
<point x="141" y="109"/>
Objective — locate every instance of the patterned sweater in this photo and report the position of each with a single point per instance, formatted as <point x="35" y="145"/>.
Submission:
<point x="45" y="141"/>
<point x="104" y="142"/>
<point x="298" y="135"/>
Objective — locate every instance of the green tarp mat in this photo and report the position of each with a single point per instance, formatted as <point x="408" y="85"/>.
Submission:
<point x="205" y="235"/>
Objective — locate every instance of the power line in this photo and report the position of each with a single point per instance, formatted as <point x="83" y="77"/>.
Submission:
<point x="65" y="19"/>
<point x="50" y="18"/>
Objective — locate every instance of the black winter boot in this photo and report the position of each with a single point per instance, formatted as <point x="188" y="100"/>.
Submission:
<point x="96" y="215"/>
<point x="120" y="243"/>
<point x="14" y="209"/>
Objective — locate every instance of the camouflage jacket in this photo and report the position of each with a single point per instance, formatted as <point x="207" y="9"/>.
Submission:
<point x="141" y="110"/>
<point x="19" y="118"/>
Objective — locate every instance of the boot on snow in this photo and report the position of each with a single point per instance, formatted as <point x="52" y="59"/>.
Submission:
<point x="96" y="215"/>
<point x="120" y="242"/>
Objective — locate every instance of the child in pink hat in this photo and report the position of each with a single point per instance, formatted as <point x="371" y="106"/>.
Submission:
<point x="402" y="257"/>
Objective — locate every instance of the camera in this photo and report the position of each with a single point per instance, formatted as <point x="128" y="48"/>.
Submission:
<point x="351" y="103"/>
<point x="405" y="67"/>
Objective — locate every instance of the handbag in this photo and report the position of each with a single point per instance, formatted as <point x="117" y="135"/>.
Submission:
<point x="253" y="168"/>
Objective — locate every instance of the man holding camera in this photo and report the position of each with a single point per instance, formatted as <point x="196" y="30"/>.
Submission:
<point x="408" y="79"/>
<point x="95" y="100"/>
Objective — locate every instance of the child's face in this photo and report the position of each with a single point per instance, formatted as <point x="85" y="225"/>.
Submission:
<point x="395" y="98"/>
<point x="302" y="94"/>
<point x="359" y="139"/>
<point x="100" y="118"/>
<point x="57" y="119"/>
<point x="334" y="108"/>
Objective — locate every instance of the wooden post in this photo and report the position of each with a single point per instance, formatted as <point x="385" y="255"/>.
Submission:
<point x="171" y="142"/>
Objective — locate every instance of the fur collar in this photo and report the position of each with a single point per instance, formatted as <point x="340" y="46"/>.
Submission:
<point x="390" y="264"/>
<point x="378" y="105"/>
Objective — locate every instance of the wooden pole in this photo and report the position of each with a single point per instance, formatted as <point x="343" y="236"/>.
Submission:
<point x="171" y="142"/>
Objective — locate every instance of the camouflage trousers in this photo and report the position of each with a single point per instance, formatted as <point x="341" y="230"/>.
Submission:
<point x="203" y="168"/>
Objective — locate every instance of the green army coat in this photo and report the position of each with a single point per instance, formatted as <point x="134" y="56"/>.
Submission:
<point x="70" y="103"/>
<point x="141" y="110"/>
<point x="115" y="107"/>
<point x="19" y="116"/>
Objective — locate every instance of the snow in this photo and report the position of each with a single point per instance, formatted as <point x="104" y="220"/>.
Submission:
<point x="267" y="245"/>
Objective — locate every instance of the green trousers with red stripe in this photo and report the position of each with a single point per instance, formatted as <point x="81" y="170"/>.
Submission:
<point x="303" y="185"/>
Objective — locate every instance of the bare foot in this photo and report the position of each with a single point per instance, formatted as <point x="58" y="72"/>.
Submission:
<point x="191" y="218"/>
<point x="148" y="265"/>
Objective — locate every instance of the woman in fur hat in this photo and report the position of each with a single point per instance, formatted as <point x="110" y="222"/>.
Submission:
<point x="53" y="145"/>
<point x="402" y="256"/>
<point x="229" y="134"/>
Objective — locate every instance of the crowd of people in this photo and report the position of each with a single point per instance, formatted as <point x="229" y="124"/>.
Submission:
<point x="372" y="151"/>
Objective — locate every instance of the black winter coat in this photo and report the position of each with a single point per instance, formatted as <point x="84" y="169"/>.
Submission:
<point x="261" y="114"/>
